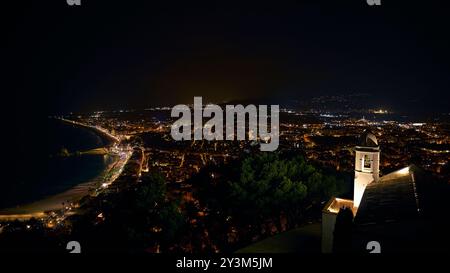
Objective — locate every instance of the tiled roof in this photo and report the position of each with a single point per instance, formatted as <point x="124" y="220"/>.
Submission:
<point x="391" y="199"/>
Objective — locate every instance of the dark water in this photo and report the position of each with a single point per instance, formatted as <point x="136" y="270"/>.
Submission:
<point x="37" y="173"/>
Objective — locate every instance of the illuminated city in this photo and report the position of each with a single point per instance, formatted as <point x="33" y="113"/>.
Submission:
<point x="307" y="128"/>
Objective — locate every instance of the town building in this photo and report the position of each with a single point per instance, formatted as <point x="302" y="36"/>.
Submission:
<point x="378" y="202"/>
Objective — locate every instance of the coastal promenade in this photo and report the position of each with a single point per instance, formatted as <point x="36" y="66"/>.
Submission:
<point x="97" y="129"/>
<point x="68" y="199"/>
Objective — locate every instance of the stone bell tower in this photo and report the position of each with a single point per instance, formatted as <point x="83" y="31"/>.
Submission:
<point x="367" y="165"/>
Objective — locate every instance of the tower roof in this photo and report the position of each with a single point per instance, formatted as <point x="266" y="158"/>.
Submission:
<point x="368" y="139"/>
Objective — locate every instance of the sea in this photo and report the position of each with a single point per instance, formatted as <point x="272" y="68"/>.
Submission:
<point x="39" y="171"/>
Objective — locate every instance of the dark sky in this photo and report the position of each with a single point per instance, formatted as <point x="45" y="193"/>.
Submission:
<point x="127" y="54"/>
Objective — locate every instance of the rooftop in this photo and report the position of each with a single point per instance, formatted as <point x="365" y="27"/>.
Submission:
<point x="392" y="214"/>
<point x="336" y="204"/>
<point x="391" y="199"/>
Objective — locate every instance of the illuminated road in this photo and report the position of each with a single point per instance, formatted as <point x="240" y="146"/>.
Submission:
<point x="43" y="208"/>
<point x="96" y="128"/>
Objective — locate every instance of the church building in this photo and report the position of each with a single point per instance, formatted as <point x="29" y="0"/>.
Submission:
<point x="379" y="203"/>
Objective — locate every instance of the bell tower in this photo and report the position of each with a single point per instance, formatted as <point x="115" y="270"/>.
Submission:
<point x="367" y="165"/>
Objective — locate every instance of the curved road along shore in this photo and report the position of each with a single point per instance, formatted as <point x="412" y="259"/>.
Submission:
<point x="39" y="209"/>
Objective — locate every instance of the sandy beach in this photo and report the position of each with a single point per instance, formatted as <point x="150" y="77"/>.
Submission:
<point x="39" y="208"/>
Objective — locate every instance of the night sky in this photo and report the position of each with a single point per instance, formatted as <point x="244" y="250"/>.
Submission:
<point x="125" y="54"/>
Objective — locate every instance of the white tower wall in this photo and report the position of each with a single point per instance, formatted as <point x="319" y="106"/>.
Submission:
<point x="367" y="170"/>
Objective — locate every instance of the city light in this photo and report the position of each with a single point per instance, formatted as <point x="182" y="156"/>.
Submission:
<point x="404" y="170"/>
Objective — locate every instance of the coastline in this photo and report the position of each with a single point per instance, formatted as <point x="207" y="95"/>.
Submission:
<point x="101" y="132"/>
<point x="55" y="202"/>
<point x="40" y="208"/>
